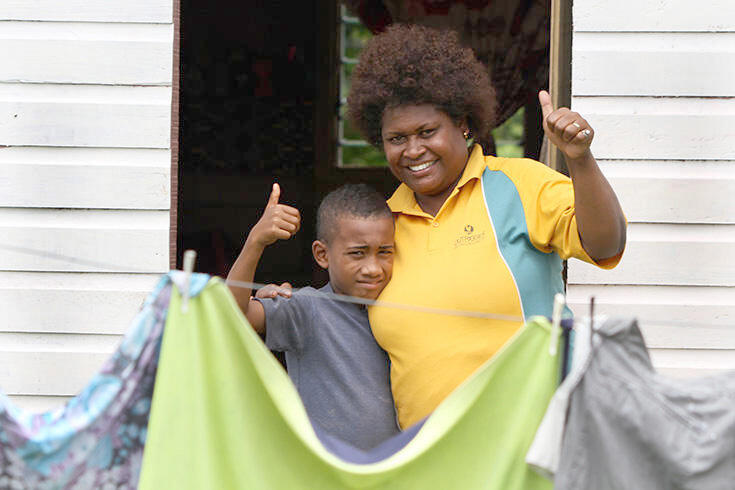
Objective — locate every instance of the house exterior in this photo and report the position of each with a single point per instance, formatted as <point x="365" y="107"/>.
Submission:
<point x="88" y="114"/>
<point x="85" y="172"/>
<point x="654" y="78"/>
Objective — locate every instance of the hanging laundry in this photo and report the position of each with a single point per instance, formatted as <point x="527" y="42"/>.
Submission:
<point x="545" y="451"/>
<point x="630" y="427"/>
<point x="225" y="415"/>
<point x="96" y="440"/>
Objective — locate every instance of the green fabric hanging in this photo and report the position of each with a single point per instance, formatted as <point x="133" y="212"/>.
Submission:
<point x="226" y="416"/>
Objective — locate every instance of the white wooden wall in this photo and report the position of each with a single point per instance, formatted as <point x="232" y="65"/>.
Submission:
<point x="85" y="115"/>
<point x="656" y="79"/>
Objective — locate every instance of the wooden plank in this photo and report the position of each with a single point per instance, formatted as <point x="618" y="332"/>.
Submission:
<point x="663" y="254"/>
<point x="84" y="241"/>
<point x="38" y="404"/>
<point x="658" y="64"/>
<point x="81" y="186"/>
<point x="560" y="71"/>
<point x="173" y="238"/>
<point x="84" y="115"/>
<point x="643" y="128"/>
<point x="694" y="359"/>
<point x="661" y="15"/>
<point x="102" y="157"/>
<point x="76" y="186"/>
<point x="158" y="11"/>
<point x="48" y="364"/>
<point x="648" y="190"/>
<point x="677" y="336"/>
<point x="669" y="316"/>
<point x="116" y="54"/>
<point x="688" y="372"/>
<point x="87" y="303"/>
<point x="84" y="178"/>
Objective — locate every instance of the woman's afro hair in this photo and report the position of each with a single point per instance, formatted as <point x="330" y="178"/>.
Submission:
<point x="412" y="64"/>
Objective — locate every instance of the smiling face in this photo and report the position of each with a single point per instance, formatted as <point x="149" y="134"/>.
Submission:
<point x="426" y="150"/>
<point x="358" y="255"/>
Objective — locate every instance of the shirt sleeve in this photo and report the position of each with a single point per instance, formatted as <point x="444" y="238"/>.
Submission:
<point x="285" y="321"/>
<point x="548" y="203"/>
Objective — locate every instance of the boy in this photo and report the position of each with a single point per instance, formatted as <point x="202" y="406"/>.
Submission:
<point x="338" y="368"/>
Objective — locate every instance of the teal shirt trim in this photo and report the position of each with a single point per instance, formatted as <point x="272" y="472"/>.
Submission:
<point x="537" y="274"/>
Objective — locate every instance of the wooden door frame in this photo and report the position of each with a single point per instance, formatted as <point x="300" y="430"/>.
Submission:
<point x="560" y="69"/>
<point x="175" y="206"/>
<point x="326" y="172"/>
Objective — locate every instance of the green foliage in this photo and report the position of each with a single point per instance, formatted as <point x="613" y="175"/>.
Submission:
<point x="356" y="35"/>
<point x="509" y="136"/>
<point x="363" y="156"/>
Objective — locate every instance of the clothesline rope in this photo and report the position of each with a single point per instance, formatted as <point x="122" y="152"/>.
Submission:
<point x="253" y="285"/>
<point x="387" y="304"/>
<point x="107" y="267"/>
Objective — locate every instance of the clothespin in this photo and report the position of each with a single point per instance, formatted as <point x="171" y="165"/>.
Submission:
<point x="592" y="319"/>
<point x="559" y="302"/>
<point x="190" y="257"/>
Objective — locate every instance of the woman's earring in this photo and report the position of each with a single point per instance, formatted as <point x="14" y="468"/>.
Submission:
<point x="466" y="134"/>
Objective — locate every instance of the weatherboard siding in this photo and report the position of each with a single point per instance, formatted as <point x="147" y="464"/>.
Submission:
<point x="85" y="152"/>
<point x="654" y="80"/>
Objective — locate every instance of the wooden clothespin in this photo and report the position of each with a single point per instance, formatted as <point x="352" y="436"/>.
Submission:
<point x="559" y="302"/>
<point x="592" y="319"/>
<point x="190" y="257"/>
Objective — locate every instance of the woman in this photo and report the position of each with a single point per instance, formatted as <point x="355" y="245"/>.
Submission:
<point x="473" y="232"/>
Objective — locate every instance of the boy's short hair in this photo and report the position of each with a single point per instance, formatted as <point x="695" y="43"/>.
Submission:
<point x="353" y="200"/>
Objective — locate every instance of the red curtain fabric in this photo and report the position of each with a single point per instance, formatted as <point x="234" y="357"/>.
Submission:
<point x="510" y="36"/>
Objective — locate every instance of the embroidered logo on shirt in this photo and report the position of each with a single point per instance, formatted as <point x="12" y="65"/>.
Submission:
<point x="469" y="237"/>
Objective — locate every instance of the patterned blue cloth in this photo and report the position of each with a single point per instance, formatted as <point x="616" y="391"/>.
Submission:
<point x="96" y="440"/>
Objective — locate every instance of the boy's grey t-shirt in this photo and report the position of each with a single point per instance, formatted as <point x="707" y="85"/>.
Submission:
<point x="338" y="368"/>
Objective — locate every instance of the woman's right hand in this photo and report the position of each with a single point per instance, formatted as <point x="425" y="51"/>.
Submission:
<point x="279" y="222"/>
<point x="567" y="130"/>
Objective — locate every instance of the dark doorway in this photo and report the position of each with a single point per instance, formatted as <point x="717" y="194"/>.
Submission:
<point x="247" y="98"/>
<point x="259" y="101"/>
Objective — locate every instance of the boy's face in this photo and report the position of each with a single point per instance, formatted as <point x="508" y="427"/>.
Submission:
<point x="359" y="255"/>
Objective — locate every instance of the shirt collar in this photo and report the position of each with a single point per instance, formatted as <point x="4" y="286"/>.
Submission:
<point x="403" y="199"/>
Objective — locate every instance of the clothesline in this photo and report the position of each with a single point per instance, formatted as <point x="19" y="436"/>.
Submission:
<point x="387" y="304"/>
<point x="106" y="267"/>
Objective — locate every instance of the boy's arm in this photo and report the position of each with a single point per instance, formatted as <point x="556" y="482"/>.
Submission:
<point x="279" y="222"/>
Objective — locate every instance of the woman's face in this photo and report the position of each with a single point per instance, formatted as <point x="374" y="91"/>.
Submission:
<point x="426" y="150"/>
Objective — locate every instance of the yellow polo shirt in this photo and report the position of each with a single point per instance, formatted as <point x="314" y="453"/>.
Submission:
<point x="495" y="246"/>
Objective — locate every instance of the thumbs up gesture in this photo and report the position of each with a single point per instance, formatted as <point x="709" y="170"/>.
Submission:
<point x="569" y="131"/>
<point x="279" y="222"/>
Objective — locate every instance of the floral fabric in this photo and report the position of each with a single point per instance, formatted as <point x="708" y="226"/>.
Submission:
<point x="96" y="440"/>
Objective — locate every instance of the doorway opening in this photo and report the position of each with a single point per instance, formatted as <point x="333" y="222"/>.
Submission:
<point x="247" y="101"/>
<point x="260" y="103"/>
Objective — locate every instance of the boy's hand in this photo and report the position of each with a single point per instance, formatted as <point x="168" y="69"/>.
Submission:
<point x="273" y="290"/>
<point x="279" y="222"/>
<point x="569" y="131"/>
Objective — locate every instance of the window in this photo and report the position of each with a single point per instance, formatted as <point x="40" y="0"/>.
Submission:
<point x="509" y="136"/>
<point x="352" y="150"/>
